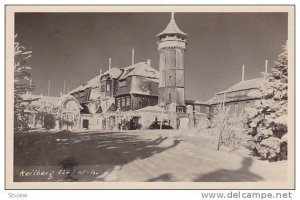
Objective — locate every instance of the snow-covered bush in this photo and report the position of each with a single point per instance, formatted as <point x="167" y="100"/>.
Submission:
<point x="267" y="119"/>
<point x="49" y="121"/>
<point x="229" y="127"/>
<point x="203" y="123"/>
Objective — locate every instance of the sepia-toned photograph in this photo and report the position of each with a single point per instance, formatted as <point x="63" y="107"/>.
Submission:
<point x="139" y="97"/>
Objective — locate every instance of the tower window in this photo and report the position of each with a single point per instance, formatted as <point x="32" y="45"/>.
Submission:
<point x="170" y="97"/>
<point x="170" y="77"/>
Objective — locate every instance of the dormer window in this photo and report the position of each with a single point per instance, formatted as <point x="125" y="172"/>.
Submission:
<point x="108" y="87"/>
<point x="122" y="83"/>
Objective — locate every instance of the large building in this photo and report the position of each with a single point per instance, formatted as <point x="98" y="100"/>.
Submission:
<point x="140" y="95"/>
<point x="139" y="88"/>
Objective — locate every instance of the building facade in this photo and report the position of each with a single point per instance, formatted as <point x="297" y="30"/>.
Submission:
<point x="112" y="95"/>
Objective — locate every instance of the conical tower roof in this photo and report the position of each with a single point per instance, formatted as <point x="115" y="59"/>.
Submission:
<point x="172" y="28"/>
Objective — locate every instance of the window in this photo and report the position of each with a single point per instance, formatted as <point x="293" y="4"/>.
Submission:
<point x="214" y="109"/>
<point x="118" y="103"/>
<point x="128" y="101"/>
<point x="102" y="88"/>
<point x="198" y="108"/>
<point x="207" y="109"/>
<point x="123" y="102"/>
<point x="179" y="110"/>
<point x="108" y="87"/>
<point x="236" y="106"/>
<point x="122" y="83"/>
<point x="170" y="97"/>
<point x="170" y="77"/>
<point x="88" y="95"/>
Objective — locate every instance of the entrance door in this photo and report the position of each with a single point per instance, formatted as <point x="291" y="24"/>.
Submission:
<point x="85" y="123"/>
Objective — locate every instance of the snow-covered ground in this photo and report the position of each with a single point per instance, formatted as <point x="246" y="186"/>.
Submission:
<point x="139" y="156"/>
<point x="191" y="155"/>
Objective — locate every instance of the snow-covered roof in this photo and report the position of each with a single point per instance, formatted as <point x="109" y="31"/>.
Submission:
<point x="155" y="108"/>
<point x="41" y="99"/>
<point x="172" y="28"/>
<point x="240" y="86"/>
<point x="139" y="69"/>
<point x="140" y="85"/>
<point x="202" y="102"/>
<point x="244" y="85"/>
<point x="91" y="83"/>
<point x="113" y="72"/>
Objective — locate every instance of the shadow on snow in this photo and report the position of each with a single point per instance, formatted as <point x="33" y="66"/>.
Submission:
<point x="78" y="157"/>
<point x="243" y="174"/>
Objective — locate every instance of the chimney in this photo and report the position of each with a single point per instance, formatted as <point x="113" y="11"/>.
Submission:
<point x="266" y="66"/>
<point x="132" y="57"/>
<point x="243" y="73"/>
<point x="149" y="62"/>
<point x="109" y="63"/>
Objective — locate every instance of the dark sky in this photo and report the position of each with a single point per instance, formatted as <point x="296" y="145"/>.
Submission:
<point x="74" y="46"/>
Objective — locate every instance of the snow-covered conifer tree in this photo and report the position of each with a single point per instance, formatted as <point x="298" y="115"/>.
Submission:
<point x="267" y="119"/>
<point x="22" y="85"/>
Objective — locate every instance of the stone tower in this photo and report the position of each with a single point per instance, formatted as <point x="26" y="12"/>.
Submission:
<point x="171" y="47"/>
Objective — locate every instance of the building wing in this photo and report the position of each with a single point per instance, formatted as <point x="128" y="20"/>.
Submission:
<point x="238" y="91"/>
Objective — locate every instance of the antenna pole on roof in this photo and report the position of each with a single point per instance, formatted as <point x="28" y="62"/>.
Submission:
<point x="64" y="88"/>
<point x="48" y="88"/>
<point x="30" y="84"/>
<point x="224" y="99"/>
<point x="100" y="72"/>
<point x="109" y="63"/>
<point x="149" y="62"/>
<point x="132" y="56"/>
<point x="266" y="66"/>
<point x="243" y="73"/>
